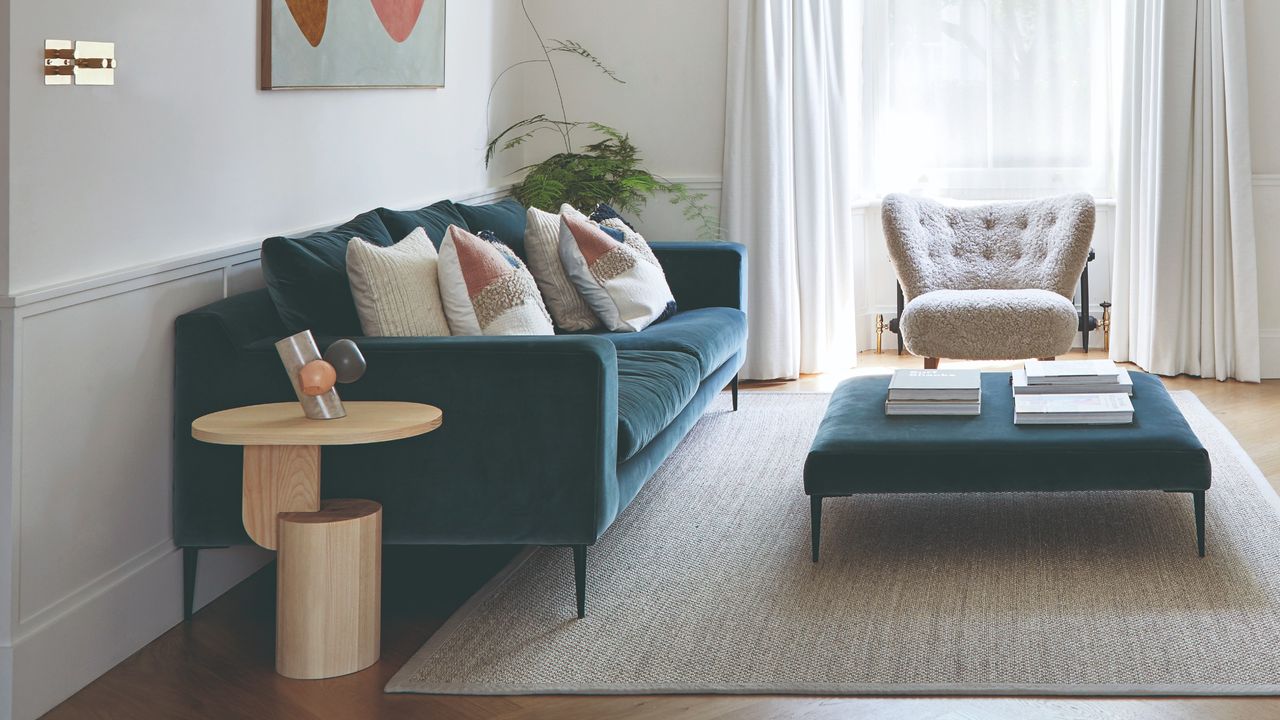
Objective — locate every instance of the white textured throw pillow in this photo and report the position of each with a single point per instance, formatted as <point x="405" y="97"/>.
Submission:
<point x="396" y="289"/>
<point x="630" y="237"/>
<point x="542" y="248"/>
<point x="626" y="291"/>
<point x="487" y="290"/>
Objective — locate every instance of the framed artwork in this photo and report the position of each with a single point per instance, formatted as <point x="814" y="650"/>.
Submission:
<point x="352" y="44"/>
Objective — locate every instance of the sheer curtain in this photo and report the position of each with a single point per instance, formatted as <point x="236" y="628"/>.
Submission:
<point x="1185" y="277"/>
<point x="788" y="182"/>
<point x="989" y="99"/>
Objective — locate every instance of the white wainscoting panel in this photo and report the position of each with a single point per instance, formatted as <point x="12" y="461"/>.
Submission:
<point x="1266" y="213"/>
<point x="86" y="395"/>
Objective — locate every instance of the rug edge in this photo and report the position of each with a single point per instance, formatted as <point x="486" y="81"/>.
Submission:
<point x="399" y="684"/>
<point x="852" y="690"/>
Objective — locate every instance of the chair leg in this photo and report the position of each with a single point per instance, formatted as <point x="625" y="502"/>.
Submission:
<point x="1084" y="307"/>
<point x="1048" y="359"/>
<point x="931" y="363"/>
<point x="733" y="388"/>
<point x="1197" y="499"/>
<point x="580" y="577"/>
<point x="815" y="524"/>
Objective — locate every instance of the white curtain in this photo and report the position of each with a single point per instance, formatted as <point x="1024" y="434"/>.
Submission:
<point x="788" y="190"/>
<point x="983" y="100"/>
<point x="1185" y="285"/>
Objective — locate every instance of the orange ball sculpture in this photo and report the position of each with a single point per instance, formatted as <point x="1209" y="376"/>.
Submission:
<point x="317" y="377"/>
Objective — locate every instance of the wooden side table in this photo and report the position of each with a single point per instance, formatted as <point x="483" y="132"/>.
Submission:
<point x="329" y="563"/>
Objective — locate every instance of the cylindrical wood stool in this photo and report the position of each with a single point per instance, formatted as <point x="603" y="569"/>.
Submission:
<point x="328" y="604"/>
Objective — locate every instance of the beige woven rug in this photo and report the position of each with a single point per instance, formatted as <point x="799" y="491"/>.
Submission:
<point x="704" y="585"/>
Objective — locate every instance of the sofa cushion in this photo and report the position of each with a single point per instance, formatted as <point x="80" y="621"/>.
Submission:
<point x="487" y="290"/>
<point x="397" y="288"/>
<point x="435" y="219"/>
<point x="711" y="335"/>
<point x="626" y="290"/>
<point x="989" y="324"/>
<point x="504" y="218"/>
<point x="307" y="277"/>
<point x="542" y="249"/>
<point x="653" y="387"/>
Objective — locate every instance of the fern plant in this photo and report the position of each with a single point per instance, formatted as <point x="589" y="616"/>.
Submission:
<point x="609" y="170"/>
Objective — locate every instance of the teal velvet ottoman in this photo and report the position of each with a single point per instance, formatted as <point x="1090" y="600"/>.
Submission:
<point x="860" y="450"/>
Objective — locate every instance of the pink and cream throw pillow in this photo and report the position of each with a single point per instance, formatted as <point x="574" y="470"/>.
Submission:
<point x="487" y="291"/>
<point x="624" y="289"/>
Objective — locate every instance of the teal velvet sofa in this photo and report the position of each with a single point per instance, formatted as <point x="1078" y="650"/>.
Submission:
<point x="545" y="439"/>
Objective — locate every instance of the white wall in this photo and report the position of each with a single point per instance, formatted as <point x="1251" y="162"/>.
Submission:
<point x="184" y="154"/>
<point x="672" y="55"/>
<point x="1262" y="19"/>
<point x="130" y="205"/>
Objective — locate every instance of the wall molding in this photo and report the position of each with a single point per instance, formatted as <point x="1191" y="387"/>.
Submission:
<point x="96" y="287"/>
<point x="1266" y="180"/>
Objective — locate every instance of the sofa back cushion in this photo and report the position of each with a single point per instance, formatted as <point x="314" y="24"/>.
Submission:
<point x="505" y="219"/>
<point x="307" y="276"/>
<point x="434" y="218"/>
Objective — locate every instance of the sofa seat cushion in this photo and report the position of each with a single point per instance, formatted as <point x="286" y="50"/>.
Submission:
<point x="711" y="335"/>
<point x="989" y="324"/>
<point x="653" y="387"/>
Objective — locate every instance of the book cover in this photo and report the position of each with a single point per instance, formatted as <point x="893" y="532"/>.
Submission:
<point x="1123" y="384"/>
<point x="1093" y="371"/>
<point x="936" y="385"/>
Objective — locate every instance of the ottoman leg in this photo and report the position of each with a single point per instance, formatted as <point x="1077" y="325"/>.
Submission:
<point x="815" y="523"/>
<point x="329" y="602"/>
<point x="1197" y="499"/>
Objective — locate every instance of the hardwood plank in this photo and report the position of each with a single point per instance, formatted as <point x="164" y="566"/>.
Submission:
<point x="221" y="665"/>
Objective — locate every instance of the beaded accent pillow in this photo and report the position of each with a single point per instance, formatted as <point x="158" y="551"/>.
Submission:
<point x="487" y="291"/>
<point x="626" y="290"/>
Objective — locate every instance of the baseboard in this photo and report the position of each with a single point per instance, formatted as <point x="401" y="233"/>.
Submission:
<point x="6" y="682"/>
<point x="1269" y="349"/>
<point x="67" y="652"/>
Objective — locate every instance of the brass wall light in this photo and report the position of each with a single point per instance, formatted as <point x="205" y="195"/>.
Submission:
<point x="85" y="62"/>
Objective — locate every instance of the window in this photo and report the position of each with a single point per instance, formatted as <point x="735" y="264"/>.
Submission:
<point x="989" y="99"/>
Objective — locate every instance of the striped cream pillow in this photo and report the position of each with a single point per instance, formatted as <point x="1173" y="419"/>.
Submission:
<point x="397" y="288"/>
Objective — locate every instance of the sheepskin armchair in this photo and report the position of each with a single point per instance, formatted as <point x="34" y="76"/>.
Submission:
<point x="988" y="282"/>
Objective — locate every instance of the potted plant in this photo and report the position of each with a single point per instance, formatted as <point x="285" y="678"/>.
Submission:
<point x="607" y="171"/>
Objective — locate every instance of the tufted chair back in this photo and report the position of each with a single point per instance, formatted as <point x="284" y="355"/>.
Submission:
<point x="1042" y="244"/>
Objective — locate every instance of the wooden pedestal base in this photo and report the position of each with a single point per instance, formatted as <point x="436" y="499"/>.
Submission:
<point x="329" y="575"/>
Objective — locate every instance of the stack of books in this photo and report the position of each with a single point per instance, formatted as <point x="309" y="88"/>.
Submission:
<point x="934" y="392"/>
<point x="1096" y="409"/>
<point x="1071" y="377"/>
<point x="1072" y="392"/>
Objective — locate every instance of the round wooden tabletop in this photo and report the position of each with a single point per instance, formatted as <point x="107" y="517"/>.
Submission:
<point x="285" y="424"/>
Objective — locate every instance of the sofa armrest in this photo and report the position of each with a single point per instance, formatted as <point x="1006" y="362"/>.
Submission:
<point x="705" y="274"/>
<point x="527" y="453"/>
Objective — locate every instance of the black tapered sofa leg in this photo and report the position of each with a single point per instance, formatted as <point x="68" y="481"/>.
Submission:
<point x="190" y="561"/>
<point x="733" y="388"/>
<point x="190" y="558"/>
<point x="580" y="577"/>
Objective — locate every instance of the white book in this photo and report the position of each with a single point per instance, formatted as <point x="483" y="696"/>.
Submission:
<point x="1123" y="384"/>
<point x="1094" y="409"/>
<point x="936" y="385"/>
<point x="945" y="407"/>
<point x="1085" y="372"/>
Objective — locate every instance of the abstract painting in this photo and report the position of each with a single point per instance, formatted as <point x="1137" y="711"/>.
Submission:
<point x="352" y="43"/>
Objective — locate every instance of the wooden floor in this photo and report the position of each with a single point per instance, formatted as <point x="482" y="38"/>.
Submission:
<point x="220" y="665"/>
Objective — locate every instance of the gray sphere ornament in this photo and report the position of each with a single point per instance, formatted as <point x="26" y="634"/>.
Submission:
<point x="346" y="358"/>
